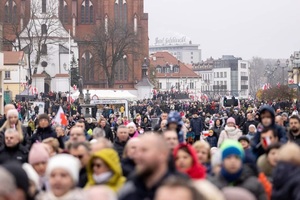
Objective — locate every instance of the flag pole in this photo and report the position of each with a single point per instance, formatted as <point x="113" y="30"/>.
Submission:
<point x="69" y="71"/>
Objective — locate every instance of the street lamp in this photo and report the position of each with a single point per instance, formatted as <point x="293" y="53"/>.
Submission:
<point x="68" y="69"/>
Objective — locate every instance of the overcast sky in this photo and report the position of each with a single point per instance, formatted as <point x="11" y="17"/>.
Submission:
<point x="244" y="28"/>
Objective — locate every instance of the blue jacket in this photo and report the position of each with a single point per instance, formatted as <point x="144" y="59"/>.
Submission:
<point x="197" y="125"/>
<point x="282" y="137"/>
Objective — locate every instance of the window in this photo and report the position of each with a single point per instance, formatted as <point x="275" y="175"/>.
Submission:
<point x="7" y="75"/>
<point x="177" y="85"/>
<point x="192" y="57"/>
<point x="225" y="74"/>
<point x="10" y="10"/>
<point x="160" y="85"/>
<point x="225" y="82"/>
<point x="44" y="49"/>
<point x="176" y="70"/>
<point x="44" y="6"/>
<point x="217" y="82"/>
<point x="191" y="85"/>
<point x="192" y="53"/>
<point x="217" y="74"/>
<point x="44" y="29"/>
<point x="121" y="70"/>
<point x="221" y="74"/>
<point x="167" y="70"/>
<point x="243" y="65"/>
<point x="87" y="66"/>
<point x="158" y="70"/>
<point x="87" y="12"/>
<point x="63" y="11"/>
<point x="121" y="12"/>
<point x="221" y="82"/>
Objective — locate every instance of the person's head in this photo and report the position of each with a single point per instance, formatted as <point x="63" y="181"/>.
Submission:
<point x="183" y="156"/>
<point x="12" y="138"/>
<point x="93" y="193"/>
<point x="174" y="121"/>
<point x="230" y="122"/>
<point x="80" y="123"/>
<point x="98" y="133"/>
<point x="232" y="156"/>
<point x="171" y="139"/>
<point x="7" y="185"/>
<point x="289" y="153"/>
<point x="99" y="144"/>
<point x="218" y="122"/>
<point x="163" y="124"/>
<point x="38" y="157"/>
<point x="272" y="154"/>
<point x="245" y="142"/>
<point x="164" y="116"/>
<point x="77" y="134"/>
<point x="268" y="136"/>
<point x="203" y="151"/>
<point x="249" y="116"/>
<point x="44" y="120"/>
<point x="82" y="151"/>
<point x="279" y="120"/>
<point x="267" y="116"/>
<point x="152" y="155"/>
<point x="252" y="129"/>
<point x="59" y="131"/>
<point x="285" y="117"/>
<point x="176" y="188"/>
<point x="123" y="133"/>
<point x="8" y="107"/>
<point x="53" y="145"/>
<point x="295" y="125"/>
<point x="34" y="185"/>
<point x="63" y="174"/>
<point x="131" y="128"/>
<point x="12" y="116"/>
<point x="131" y="148"/>
<point x="21" y="179"/>
<point x="102" y="122"/>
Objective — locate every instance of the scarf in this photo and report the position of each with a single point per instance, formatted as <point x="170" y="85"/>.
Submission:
<point x="231" y="177"/>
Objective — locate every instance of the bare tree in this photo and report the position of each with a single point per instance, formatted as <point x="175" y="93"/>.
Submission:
<point x="110" y="43"/>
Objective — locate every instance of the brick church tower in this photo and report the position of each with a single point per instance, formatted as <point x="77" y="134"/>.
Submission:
<point x="81" y="17"/>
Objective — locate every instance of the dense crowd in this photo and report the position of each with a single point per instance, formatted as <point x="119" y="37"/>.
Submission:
<point x="165" y="149"/>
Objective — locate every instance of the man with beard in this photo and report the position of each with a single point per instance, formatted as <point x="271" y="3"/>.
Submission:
<point x="294" y="133"/>
<point x="151" y="169"/>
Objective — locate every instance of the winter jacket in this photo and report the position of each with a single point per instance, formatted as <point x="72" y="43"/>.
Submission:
<point x="293" y="138"/>
<point x="197" y="170"/>
<point x="111" y="159"/>
<point x="212" y="140"/>
<point x="218" y="130"/>
<point x="286" y="185"/>
<point x="247" y="124"/>
<point x="119" y="146"/>
<point x="196" y="125"/>
<point x="44" y="133"/>
<point x="282" y="137"/>
<point x="75" y="194"/>
<point x="26" y="139"/>
<point x="18" y="153"/>
<point x="247" y="180"/>
<point x="229" y="133"/>
<point x="82" y="178"/>
<point x="128" y="166"/>
<point x="108" y="133"/>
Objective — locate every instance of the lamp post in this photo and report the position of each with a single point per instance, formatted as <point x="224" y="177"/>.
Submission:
<point x="68" y="69"/>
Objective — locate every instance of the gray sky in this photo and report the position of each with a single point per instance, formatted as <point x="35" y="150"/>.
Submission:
<point x="244" y="28"/>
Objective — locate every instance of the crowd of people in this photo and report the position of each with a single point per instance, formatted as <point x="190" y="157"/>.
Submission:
<point x="194" y="151"/>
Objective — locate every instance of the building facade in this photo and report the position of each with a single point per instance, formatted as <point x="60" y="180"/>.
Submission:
<point x="172" y="74"/>
<point x="80" y="19"/>
<point x="294" y="70"/>
<point x="181" y="49"/>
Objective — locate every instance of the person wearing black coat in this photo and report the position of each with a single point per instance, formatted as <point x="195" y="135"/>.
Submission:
<point x="250" y="121"/>
<point x="196" y="125"/>
<point x="108" y="132"/>
<point x="13" y="149"/>
<point x="45" y="131"/>
<point x="121" y="140"/>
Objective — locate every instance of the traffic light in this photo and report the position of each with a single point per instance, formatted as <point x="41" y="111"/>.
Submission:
<point x="225" y="101"/>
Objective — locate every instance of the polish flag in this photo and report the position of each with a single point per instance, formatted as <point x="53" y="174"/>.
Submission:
<point x="60" y="117"/>
<point x="266" y="141"/>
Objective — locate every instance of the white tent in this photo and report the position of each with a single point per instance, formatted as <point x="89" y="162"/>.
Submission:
<point x="107" y="94"/>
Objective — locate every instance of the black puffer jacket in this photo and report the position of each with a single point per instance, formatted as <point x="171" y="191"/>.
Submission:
<point x="293" y="138"/>
<point x="44" y="133"/>
<point x="286" y="185"/>
<point x="119" y="146"/>
<point x="18" y="153"/>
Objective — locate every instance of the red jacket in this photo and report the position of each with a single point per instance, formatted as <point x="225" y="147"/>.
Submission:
<point x="197" y="171"/>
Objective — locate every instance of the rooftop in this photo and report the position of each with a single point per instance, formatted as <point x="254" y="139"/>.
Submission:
<point x="13" y="57"/>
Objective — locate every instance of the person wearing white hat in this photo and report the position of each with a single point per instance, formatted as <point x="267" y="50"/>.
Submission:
<point x="63" y="174"/>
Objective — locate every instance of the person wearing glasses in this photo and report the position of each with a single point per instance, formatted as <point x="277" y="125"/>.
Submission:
<point x="104" y="168"/>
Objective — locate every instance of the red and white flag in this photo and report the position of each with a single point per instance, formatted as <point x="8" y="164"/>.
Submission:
<point x="266" y="141"/>
<point x="60" y="117"/>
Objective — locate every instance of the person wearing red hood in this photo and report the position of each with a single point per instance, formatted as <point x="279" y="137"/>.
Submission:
<point x="186" y="161"/>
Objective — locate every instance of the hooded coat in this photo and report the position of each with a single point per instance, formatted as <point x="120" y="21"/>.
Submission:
<point x="111" y="159"/>
<point x="255" y="142"/>
<point x="233" y="134"/>
<point x="197" y="171"/>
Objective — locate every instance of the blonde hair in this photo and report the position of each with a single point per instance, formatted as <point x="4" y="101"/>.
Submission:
<point x="18" y="127"/>
<point x="202" y="144"/>
<point x="289" y="153"/>
<point x="53" y="142"/>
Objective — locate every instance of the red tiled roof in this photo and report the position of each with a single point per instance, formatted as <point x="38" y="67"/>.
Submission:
<point x="162" y="58"/>
<point x="13" y="57"/>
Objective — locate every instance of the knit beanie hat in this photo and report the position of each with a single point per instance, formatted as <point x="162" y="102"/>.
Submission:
<point x="66" y="162"/>
<point x="244" y="138"/>
<point x="44" y="116"/>
<point x="232" y="147"/>
<point x="230" y="120"/>
<point x="131" y="124"/>
<point x="12" y="112"/>
<point x="38" y="154"/>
